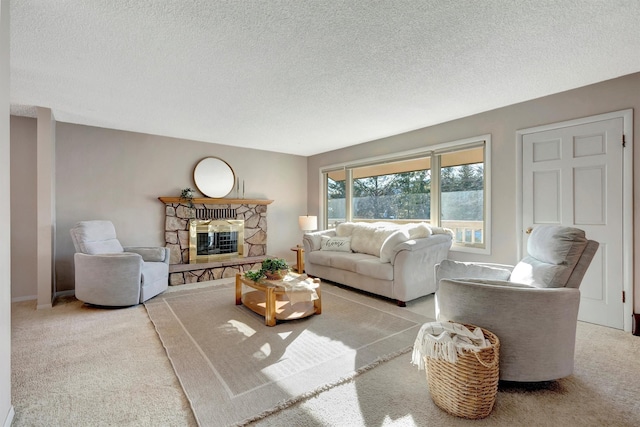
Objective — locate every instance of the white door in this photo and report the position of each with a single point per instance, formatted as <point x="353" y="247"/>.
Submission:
<point x="573" y="176"/>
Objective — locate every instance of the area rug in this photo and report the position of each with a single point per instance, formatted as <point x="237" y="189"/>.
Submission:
<point x="234" y="369"/>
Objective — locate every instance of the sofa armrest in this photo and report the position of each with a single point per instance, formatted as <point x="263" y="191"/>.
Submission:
<point x="449" y="269"/>
<point x="413" y="264"/>
<point x="150" y="253"/>
<point x="420" y="244"/>
<point x="312" y="241"/>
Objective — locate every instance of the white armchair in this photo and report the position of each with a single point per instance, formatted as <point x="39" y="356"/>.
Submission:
<point x="108" y="274"/>
<point x="532" y="307"/>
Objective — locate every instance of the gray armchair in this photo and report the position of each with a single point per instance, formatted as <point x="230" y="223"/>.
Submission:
<point x="108" y="274"/>
<point x="532" y="307"/>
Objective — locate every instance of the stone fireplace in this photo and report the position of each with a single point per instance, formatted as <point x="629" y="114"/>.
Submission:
<point x="251" y="242"/>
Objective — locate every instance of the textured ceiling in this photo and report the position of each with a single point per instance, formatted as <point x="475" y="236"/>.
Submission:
<point x="305" y="77"/>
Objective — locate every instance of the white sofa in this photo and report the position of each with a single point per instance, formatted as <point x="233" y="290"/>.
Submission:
<point x="391" y="260"/>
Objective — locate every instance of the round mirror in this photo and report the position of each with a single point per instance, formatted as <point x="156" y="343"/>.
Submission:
<point x="214" y="177"/>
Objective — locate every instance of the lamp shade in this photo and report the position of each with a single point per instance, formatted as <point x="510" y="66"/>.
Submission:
<point x="308" y="223"/>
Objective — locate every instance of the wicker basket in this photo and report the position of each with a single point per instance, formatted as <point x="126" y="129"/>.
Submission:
<point x="276" y="275"/>
<point x="467" y="388"/>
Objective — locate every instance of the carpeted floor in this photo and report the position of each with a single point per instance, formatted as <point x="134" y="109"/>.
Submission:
<point x="75" y="365"/>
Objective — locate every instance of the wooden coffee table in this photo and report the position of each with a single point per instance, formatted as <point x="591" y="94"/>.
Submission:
<point x="270" y="300"/>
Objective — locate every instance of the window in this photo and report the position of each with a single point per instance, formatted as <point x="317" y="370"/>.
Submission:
<point x="462" y="195"/>
<point x="445" y="186"/>
<point x="336" y="199"/>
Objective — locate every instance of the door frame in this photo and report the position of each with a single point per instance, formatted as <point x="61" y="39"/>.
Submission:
<point x="627" y="196"/>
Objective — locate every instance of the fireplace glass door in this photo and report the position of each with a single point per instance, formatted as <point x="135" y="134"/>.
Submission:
<point x="214" y="240"/>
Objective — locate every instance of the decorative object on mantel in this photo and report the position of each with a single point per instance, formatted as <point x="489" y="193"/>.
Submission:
<point x="238" y="188"/>
<point x="187" y="195"/>
<point x="272" y="269"/>
<point x="214" y="177"/>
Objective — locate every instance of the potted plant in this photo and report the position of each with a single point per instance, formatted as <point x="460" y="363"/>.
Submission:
<point x="271" y="268"/>
<point x="275" y="268"/>
<point x="187" y="195"/>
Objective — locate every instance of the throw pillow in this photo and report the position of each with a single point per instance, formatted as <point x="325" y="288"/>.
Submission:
<point x="344" y="229"/>
<point x="418" y="230"/>
<point x="337" y="244"/>
<point x="367" y="238"/>
<point x="534" y="272"/>
<point x="386" y="251"/>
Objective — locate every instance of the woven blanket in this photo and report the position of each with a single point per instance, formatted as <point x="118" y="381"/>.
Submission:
<point x="444" y="340"/>
<point x="298" y="288"/>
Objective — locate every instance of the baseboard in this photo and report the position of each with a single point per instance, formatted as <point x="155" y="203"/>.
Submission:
<point x="9" y="419"/>
<point x="636" y="324"/>
<point x="27" y="298"/>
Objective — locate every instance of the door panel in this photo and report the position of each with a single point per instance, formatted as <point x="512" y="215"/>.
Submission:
<point x="573" y="176"/>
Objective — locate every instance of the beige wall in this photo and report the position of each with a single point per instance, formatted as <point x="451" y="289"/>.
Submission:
<point x="117" y="175"/>
<point x="502" y="124"/>
<point x="23" y="209"/>
<point x="6" y="410"/>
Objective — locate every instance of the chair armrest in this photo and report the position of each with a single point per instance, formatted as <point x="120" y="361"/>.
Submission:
<point x="506" y="302"/>
<point x="449" y="269"/>
<point x="312" y="241"/>
<point x="150" y="253"/>
<point x="536" y="326"/>
<point x="108" y="279"/>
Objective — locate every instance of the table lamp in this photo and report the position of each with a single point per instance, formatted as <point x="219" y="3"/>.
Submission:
<point x="308" y="223"/>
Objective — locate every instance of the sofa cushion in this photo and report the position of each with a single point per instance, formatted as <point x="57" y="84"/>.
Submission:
<point x="348" y="262"/>
<point x="320" y="257"/>
<point x="336" y="244"/>
<point x="372" y="267"/>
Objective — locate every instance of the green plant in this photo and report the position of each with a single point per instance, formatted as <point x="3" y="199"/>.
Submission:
<point x="269" y="265"/>
<point x="254" y="275"/>
<point x="274" y="264"/>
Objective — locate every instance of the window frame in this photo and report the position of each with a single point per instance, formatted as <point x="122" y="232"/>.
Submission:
<point x="434" y="152"/>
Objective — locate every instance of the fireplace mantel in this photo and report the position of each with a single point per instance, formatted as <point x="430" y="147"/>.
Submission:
<point x="208" y="201"/>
